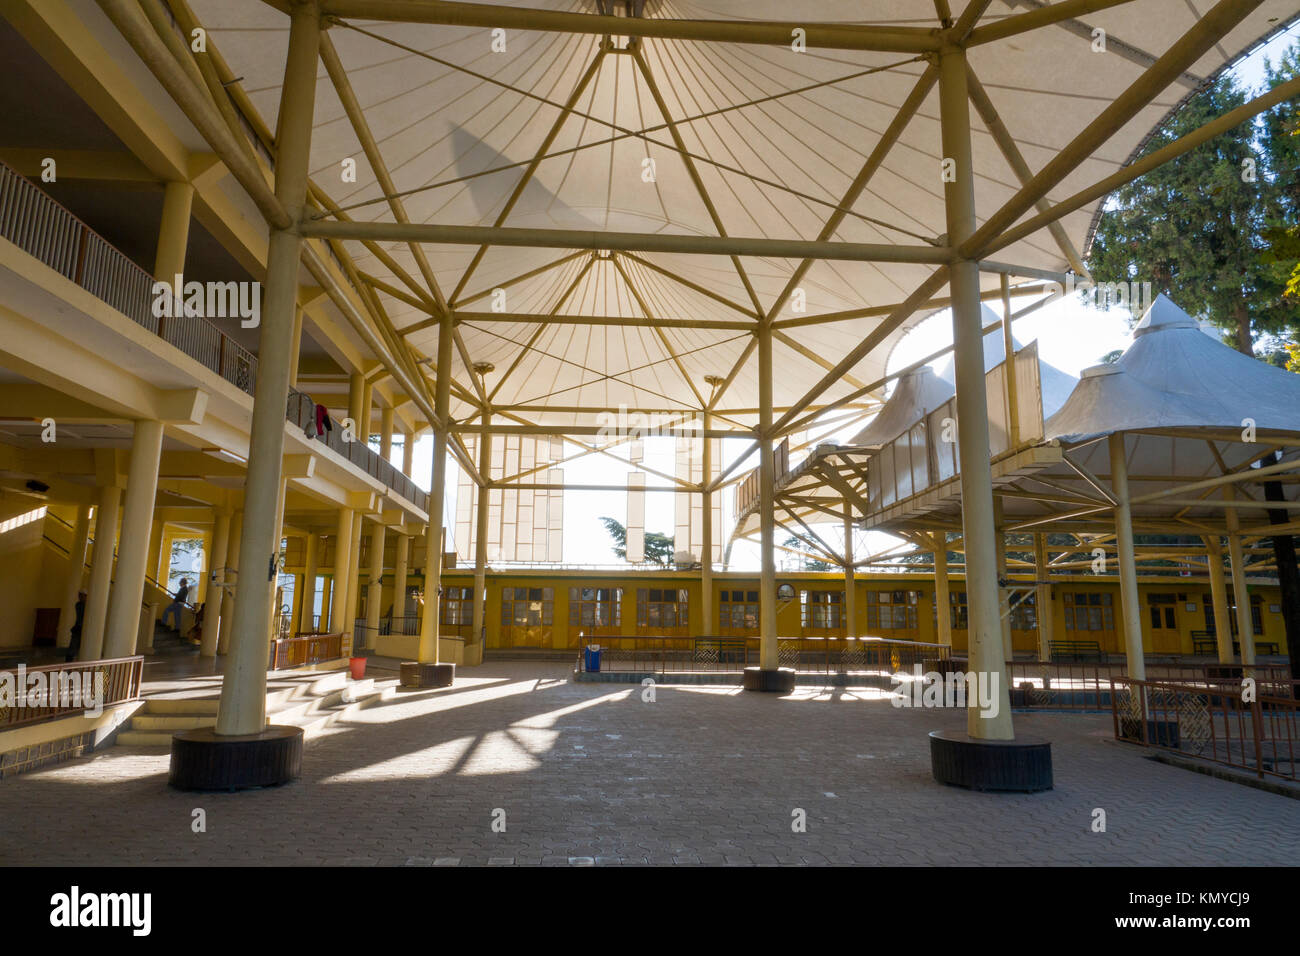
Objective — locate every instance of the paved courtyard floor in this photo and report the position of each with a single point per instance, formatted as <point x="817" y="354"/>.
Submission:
<point x="517" y="765"/>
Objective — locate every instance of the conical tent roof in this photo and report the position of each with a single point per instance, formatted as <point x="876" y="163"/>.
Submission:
<point x="923" y="390"/>
<point x="1176" y="376"/>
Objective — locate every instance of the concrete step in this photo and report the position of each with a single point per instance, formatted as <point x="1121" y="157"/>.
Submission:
<point x="144" y="738"/>
<point x="321" y="719"/>
<point x="188" y="706"/>
<point x="172" y="722"/>
<point x="310" y="704"/>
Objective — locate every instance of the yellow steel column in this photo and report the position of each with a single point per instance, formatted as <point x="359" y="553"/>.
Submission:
<point x="1130" y="611"/>
<point x="980" y="537"/>
<point x="339" y="578"/>
<point x="480" y="537"/>
<point x="1240" y="594"/>
<point x="242" y="709"/>
<point x="707" y="624"/>
<point x="942" y="603"/>
<point x="768" y="653"/>
<point x="1043" y="598"/>
<point x="428" y="650"/>
<point x="850" y="582"/>
<point x="1219" y="598"/>
<point x="1004" y="593"/>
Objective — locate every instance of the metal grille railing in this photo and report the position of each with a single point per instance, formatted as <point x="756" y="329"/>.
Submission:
<point x="45" y="692"/>
<point x="47" y="231"/>
<point x="1212" y="720"/>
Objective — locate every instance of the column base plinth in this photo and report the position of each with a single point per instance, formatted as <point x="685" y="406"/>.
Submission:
<point x="414" y="674"/>
<point x="779" y="681"/>
<point x="1023" y="765"/>
<point x="202" y="759"/>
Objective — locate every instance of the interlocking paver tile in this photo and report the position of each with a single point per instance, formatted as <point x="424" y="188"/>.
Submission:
<point x="702" y="776"/>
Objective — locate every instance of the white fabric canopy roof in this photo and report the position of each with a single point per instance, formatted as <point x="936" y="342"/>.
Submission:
<point x="444" y="108"/>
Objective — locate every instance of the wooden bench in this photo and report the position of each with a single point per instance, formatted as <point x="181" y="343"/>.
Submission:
<point x="728" y="650"/>
<point x="1076" y="651"/>
<point x="1204" y="642"/>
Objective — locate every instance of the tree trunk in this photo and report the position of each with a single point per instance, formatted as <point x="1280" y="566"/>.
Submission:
<point x="1288" y="575"/>
<point x="1242" y="314"/>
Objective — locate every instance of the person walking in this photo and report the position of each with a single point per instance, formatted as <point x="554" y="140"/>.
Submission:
<point x="177" y="607"/>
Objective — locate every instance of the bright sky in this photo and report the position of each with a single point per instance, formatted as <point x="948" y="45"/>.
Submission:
<point x="1071" y="336"/>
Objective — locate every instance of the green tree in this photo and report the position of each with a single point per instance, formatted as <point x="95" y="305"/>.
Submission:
<point x="809" y="564"/>
<point x="1204" y="228"/>
<point x="658" y="547"/>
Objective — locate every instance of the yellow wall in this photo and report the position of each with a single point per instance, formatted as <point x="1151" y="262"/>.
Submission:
<point x="562" y="636"/>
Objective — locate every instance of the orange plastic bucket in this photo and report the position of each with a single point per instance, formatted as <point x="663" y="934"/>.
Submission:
<point x="357" y="665"/>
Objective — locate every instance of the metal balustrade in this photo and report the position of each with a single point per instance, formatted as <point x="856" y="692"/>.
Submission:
<point x="57" y="690"/>
<point x="47" y="231"/>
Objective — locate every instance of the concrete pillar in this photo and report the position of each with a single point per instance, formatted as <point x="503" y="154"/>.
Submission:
<point x="985" y="627"/>
<point x="480" y="539"/>
<point x="1043" y="598"/>
<point x="339" y="581"/>
<point x="153" y="605"/>
<point x="243" y="689"/>
<point x="302" y="620"/>
<point x="173" y="231"/>
<point x="122" y="630"/>
<point x="354" y="574"/>
<point x="850" y="582"/>
<point x="1130" y="610"/>
<point x="400" y="571"/>
<point x="1240" y="594"/>
<point x="942" y="604"/>
<point x="356" y="391"/>
<point x="211" y="634"/>
<point x="1219" y="598"/>
<point x="76" y="572"/>
<point x="375" y="581"/>
<point x="428" y="648"/>
<point x="768" y="656"/>
<point x="230" y="582"/>
<point x="101" y="573"/>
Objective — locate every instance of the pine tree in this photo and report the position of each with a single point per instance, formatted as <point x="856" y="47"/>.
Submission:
<point x="1199" y="227"/>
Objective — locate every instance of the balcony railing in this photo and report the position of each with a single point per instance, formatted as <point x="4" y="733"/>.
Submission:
<point x="61" y="690"/>
<point x="47" y="231"/>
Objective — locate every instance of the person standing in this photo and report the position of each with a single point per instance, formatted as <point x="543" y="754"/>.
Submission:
<point x="74" y="645"/>
<point x="177" y="607"/>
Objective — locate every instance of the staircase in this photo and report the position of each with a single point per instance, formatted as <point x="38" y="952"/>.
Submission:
<point x="313" y="702"/>
<point x="167" y="642"/>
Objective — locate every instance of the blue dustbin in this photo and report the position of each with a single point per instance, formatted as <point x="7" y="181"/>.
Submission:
<point x="591" y="658"/>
